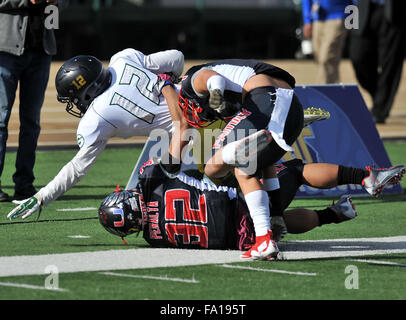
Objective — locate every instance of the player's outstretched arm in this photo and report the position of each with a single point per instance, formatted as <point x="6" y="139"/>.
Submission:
<point x="25" y="207"/>
<point x="171" y="162"/>
<point x="179" y="123"/>
<point x="171" y="97"/>
<point x="69" y="175"/>
<point x="168" y="61"/>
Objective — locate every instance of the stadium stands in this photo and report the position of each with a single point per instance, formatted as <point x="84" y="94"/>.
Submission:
<point x="201" y="29"/>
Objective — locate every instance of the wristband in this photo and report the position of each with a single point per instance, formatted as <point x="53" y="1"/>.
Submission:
<point x="166" y="83"/>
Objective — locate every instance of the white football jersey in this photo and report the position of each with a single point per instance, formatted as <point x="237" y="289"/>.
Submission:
<point x="131" y="106"/>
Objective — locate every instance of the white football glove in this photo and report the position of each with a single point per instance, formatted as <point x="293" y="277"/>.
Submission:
<point x="25" y="207"/>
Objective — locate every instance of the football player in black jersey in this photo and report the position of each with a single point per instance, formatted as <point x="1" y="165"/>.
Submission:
<point x="174" y="209"/>
<point x="259" y="104"/>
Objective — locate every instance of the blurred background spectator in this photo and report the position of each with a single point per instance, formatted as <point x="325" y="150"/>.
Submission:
<point x="201" y="29"/>
<point x="377" y="50"/>
<point x="324" y="24"/>
<point x="26" y="47"/>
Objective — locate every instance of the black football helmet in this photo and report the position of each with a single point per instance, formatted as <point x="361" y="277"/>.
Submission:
<point x="197" y="113"/>
<point x="79" y="80"/>
<point x="120" y="213"/>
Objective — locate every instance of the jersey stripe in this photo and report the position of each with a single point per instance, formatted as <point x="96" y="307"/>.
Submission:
<point x="202" y="186"/>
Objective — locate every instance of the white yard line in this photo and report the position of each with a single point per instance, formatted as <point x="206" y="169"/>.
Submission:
<point x="76" y="209"/>
<point x="380" y="262"/>
<point x="113" y="260"/>
<point x="163" y="278"/>
<point x="79" y="236"/>
<point x="30" y="286"/>
<point x="297" y="273"/>
<point x="123" y="259"/>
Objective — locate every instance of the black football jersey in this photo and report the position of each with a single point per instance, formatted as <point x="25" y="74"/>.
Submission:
<point x="185" y="212"/>
<point x="237" y="72"/>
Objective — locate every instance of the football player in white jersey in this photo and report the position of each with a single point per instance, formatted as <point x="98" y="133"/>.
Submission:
<point x="123" y="100"/>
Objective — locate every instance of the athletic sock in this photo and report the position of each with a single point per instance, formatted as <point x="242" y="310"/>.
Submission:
<point x="258" y="206"/>
<point x="348" y="175"/>
<point x="327" y="216"/>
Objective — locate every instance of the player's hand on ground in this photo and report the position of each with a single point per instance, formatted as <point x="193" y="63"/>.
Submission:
<point x="25" y="208"/>
<point x="216" y="100"/>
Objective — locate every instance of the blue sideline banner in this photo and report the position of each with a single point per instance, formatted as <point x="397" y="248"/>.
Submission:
<point x="348" y="138"/>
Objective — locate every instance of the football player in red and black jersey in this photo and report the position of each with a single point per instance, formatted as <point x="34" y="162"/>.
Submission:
<point x="178" y="210"/>
<point x="174" y="209"/>
<point x="258" y="102"/>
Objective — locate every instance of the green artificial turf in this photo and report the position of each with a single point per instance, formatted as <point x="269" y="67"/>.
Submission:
<point x="52" y="234"/>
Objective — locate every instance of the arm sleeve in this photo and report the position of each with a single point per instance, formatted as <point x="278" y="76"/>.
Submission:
<point x="165" y="61"/>
<point x="159" y="62"/>
<point x="72" y="172"/>
<point x="307" y="11"/>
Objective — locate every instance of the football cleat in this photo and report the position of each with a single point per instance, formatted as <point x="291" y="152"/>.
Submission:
<point x="248" y="148"/>
<point x="278" y="227"/>
<point x="344" y="208"/>
<point x="378" y="179"/>
<point x="265" y="248"/>
<point x="314" y="114"/>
